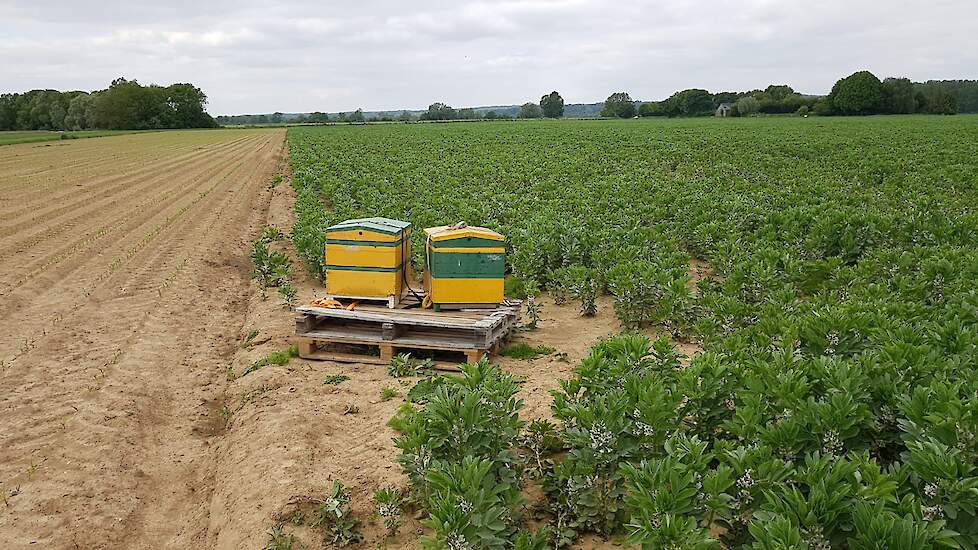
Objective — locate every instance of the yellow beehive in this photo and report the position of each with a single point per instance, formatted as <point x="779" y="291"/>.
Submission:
<point x="464" y="266"/>
<point x="367" y="258"/>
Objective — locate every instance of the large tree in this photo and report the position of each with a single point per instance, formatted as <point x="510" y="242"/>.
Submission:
<point x="530" y="110"/>
<point x="620" y="105"/>
<point x="898" y="97"/>
<point x="860" y="93"/>
<point x="552" y="105"/>
<point x="748" y="105"/>
<point x="692" y="102"/>
<point x="439" y="111"/>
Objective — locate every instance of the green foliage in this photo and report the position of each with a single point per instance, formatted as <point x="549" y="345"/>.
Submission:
<point x="618" y="105"/>
<point x="525" y="351"/>
<point x="552" y="105"/>
<point x="459" y="453"/>
<point x="540" y="440"/>
<point x="747" y="106"/>
<point x="860" y="93"/>
<point x="388" y="393"/>
<point x="335" y="379"/>
<point x="270" y="268"/>
<point x="439" y="111"/>
<point x="278" y="539"/>
<point x="693" y="102"/>
<point x="270" y="235"/>
<point x="898" y="96"/>
<point x="390" y="502"/>
<point x="403" y="364"/>
<point x="533" y="306"/>
<point x="125" y="105"/>
<point x="833" y="403"/>
<point x="336" y="520"/>
<point x="581" y="283"/>
<point x="530" y="110"/>
<point x="515" y="287"/>
<point x="276" y="358"/>
<point x="288" y="294"/>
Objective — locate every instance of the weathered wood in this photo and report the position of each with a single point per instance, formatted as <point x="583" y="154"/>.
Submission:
<point x="470" y="334"/>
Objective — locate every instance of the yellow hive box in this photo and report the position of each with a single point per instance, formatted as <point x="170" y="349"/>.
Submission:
<point x="465" y="266"/>
<point x="367" y="258"/>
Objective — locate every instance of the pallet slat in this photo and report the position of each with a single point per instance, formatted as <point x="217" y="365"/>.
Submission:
<point x="472" y="333"/>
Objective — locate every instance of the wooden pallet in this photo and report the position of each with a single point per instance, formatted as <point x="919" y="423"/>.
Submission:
<point x="374" y="334"/>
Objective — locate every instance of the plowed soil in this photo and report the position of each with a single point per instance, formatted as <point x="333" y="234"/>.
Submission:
<point x="124" y="281"/>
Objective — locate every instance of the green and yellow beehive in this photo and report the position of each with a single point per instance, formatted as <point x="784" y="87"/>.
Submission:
<point x="366" y="258"/>
<point x="465" y="266"/>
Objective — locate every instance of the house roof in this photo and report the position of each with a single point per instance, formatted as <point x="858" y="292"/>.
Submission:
<point x="726" y="105"/>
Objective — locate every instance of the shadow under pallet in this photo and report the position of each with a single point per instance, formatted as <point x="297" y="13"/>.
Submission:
<point x="374" y="334"/>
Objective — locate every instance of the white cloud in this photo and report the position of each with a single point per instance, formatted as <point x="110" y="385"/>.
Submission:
<point x="252" y="56"/>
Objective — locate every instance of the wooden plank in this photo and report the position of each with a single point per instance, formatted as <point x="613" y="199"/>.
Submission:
<point x="390" y="316"/>
<point x="424" y="342"/>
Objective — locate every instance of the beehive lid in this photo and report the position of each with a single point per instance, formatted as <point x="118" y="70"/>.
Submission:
<point x="381" y="225"/>
<point x="443" y="233"/>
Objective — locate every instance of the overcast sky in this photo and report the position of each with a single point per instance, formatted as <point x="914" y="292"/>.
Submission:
<point x="293" y="56"/>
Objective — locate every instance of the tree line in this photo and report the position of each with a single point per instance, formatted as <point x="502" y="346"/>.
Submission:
<point x="124" y="105"/>
<point x="861" y="93"/>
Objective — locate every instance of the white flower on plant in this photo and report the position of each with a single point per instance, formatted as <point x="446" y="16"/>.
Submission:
<point x="932" y="513"/>
<point x="456" y="541"/>
<point x="601" y="438"/>
<point x="831" y="444"/>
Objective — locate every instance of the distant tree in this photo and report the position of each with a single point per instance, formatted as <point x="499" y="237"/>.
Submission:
<point x="725" y="97"/>
<point x="79" y="109"/>
<point x="186" y="104"/>
<point x="778" y="92"/>
<point x="8" y="111"/>
<point x="965" y="93"/>
<point x="860" y="93"/>
<point x="692" y="102"/>
<point x="405" y="116"/>
<point x="748" y="105"/>
<point x="620" y="105"/>
<point x="439" y="111"/>
<point x="491" y="115"/>
<point x="552" y="105"/>
<point x="530" y="110"/>
<point x="802" y="111"/>
<point x="467" y="113"/>
<point x="652" y="108"/>
<point x="934" y="97"/>
<point x="822" y="107"/>
<point x="898" y="96"/>
<point x="356" y="116"/>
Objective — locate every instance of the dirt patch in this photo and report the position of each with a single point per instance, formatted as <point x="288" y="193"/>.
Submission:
<point x="118" y="293"/>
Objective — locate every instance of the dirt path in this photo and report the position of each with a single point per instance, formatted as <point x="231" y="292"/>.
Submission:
<point x="124" y="280"/>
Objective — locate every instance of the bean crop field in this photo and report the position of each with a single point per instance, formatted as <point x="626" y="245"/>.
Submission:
<point x="833" y="399"/>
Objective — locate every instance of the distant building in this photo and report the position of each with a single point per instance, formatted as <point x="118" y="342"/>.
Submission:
<point x="724" y="110"/>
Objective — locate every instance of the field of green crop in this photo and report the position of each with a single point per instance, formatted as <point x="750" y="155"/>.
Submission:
<point x="31" y="136"/>
<point x="835" y="404"/>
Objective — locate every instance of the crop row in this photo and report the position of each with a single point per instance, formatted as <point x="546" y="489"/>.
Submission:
<point x="835" y="403"/>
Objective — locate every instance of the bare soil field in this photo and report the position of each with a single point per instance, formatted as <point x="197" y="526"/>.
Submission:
<point x="124" y="280"/>
<point x="125" y="297"/>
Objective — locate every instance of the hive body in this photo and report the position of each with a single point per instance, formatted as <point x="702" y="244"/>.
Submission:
<point x="366" y="258"/>
<point x="464" y="266"/>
